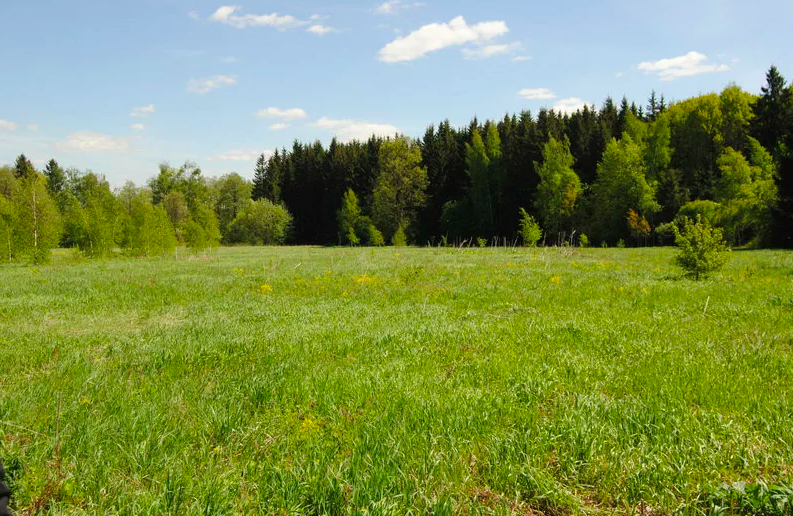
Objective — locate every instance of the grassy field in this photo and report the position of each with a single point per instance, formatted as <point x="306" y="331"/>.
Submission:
<point x="394" y="381"/>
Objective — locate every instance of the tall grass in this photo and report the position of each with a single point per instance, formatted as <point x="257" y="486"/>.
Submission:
<point x="384" y="381"/>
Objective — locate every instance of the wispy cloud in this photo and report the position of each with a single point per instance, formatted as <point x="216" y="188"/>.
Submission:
<point x="394" y="6"/>
<point x="283" y="114"/>
<point x="240" y="155"/>
<point x="193" y="15"/>
<point x="536" y="94"/>
<point x="437" y="36"/>
<point x="92" y="142"/>
<point x="278" y="127"/>
<point x="520" y="59"/>
<point x="138" y="127"/>
<point x="143" y="111"/>
<point x="347" y="130"/>
<point x="208" y="84"/>
<point x="33" y="127"/>
<point x="321" y="30"/>
<point x="5" y="125"/>
<point x="673" y="68"/>
<point x="228" y="14"/>
<point x="488" y="51"/>
<point x="569" y="105"/>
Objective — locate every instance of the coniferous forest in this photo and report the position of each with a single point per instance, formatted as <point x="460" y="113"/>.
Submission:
<point x="622" y="174"/>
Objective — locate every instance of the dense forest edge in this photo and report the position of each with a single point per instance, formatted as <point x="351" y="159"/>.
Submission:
<point x="620" y="175"/>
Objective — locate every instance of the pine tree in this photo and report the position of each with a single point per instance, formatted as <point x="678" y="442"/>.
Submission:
<point x="56" y="178"/>
<point x="773" y="112"/>
<point x="23" y="168"/>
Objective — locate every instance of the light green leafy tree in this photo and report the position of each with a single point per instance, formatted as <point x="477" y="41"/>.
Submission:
<point x="8" y="221"/>
<point x="261" y="223"/>
<point x="529" y="230"/>
<point x="348" y="217"/>
<point x="559" y="188"/>
<point x="702" y="248"/>
<point x="621" y="186"/>
<point x="399" y="191"/>
<point x="38" y="227"/>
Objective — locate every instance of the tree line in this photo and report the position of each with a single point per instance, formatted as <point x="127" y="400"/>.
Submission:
<point x="619" y="174"/>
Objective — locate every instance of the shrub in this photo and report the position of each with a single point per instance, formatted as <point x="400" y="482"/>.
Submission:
<point x="583" y="240"/>
<point x="261" y="223"/>
<point x="481" y="242"/>
<point x="702" y="248"/>
<point x="399" y="239"/>
<point x="529" y="230"/>
<point x="375" y="236"/>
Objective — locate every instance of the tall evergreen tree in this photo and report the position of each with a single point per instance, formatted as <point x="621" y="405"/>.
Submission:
<point x="23" y="168"/>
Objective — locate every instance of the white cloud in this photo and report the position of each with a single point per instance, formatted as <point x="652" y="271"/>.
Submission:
<point x="321" y="30"/>
<point x="208" y="84"/>
<point x="393" y="6"/>
<point x="487" y="51"/>
<point x="318" y="17"/>
<point x="193" y="15"/>
<point x="437" y="36"/>
<point x="225" y="14"/>
<point x="89" y="141"/>
<point x="137" y="127"/>
<point x="278" y="127"/>
<point x="569" y="105"/>
<point x="537" y="94"/>
<point x="284" y="114"/>
<point x="143" y="112"/>
<point x="33" y="127"/>
<point x="690" y="64"/>
<point x="228" y="60"/>
<point x="346" y="130"/>
<point x="240" y="155"/>
<point x="5" y="125"/>
<point x="520" y="59"/>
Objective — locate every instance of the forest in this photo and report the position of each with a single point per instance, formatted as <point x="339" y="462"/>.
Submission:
<point x="623" y="174"/>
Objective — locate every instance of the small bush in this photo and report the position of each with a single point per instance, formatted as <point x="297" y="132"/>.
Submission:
<point x="482" y="242"/>
<point x="375" y="237"/>
<point x="529" y="230"/>
<point x="702" y="248"/>
<point x="583" y="240"/>
<point x="399" y="239"/>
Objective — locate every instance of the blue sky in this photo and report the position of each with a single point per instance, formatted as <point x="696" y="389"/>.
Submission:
<point x="119" y="86"/>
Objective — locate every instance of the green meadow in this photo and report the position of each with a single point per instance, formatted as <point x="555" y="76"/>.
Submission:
<point x="394" y="381"/>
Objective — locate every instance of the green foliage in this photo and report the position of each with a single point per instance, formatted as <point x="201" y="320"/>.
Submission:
<point x="38" y="222"/>
<point x="8" y="222"/>
<point x="375" y="237"/>
<point x="233" y="195"/>
<point x="56" y="178"/>
<point x="399" y="239"/>
<point x="583" y="240"/>
<point x="621" y="186"/>
<point x="147" y="230"/>
<point x="399" y="192"/>
<point x="702" y="248"/>
<point x="261" y="223"/>
<point x="24" y="169"/>
<point x="529" y="230"/>
<point x="481" y="242"/>
<point x="559" y="188"/>
<point x="348" y="218"/>
<point x="758" y="499"/>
